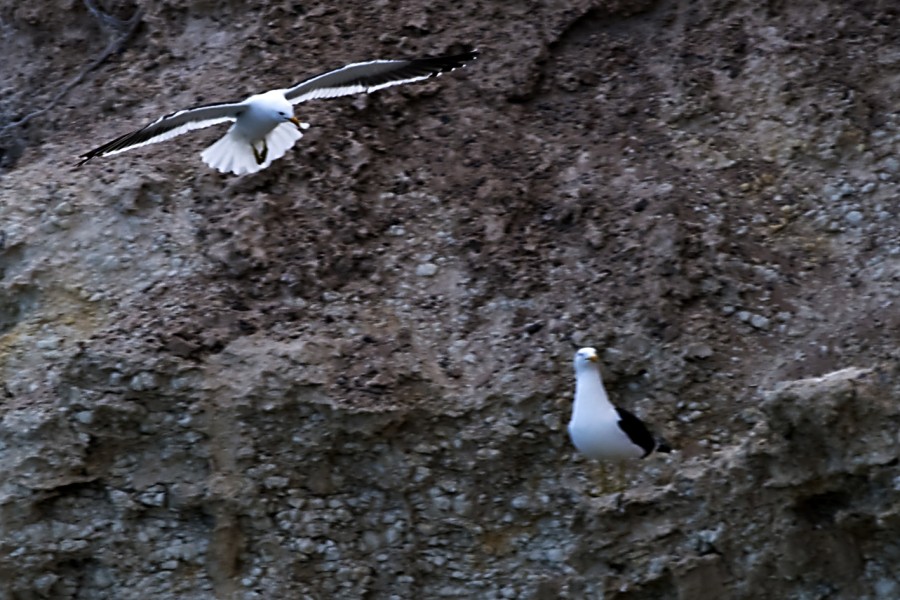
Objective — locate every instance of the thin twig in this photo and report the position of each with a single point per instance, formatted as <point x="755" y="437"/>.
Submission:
<point x="127" y="29"/>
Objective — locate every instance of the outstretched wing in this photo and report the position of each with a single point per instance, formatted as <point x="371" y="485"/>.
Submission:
<point x="167" y="127"/>
<point x="367" y="77"/>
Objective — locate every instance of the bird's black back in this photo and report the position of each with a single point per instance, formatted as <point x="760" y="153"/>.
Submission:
<point x="635" y="429"/>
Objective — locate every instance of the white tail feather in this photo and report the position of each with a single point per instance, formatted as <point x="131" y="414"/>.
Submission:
<point x="280" y="140"/>
<point x="233" y="153"/>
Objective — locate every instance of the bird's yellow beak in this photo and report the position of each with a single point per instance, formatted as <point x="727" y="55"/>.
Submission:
<point x="295" y="121"/>
<point x="593" y="358"/>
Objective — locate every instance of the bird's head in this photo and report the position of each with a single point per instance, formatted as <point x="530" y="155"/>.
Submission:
<point x="586" y="357"/>
<point x="276" y="106"/>
<point x="288" y="116"/>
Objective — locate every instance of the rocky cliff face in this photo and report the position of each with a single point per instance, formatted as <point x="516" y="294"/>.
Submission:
<point x="348" y="376"/>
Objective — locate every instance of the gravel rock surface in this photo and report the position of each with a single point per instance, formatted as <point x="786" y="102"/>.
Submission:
<point x="348" y="376"/>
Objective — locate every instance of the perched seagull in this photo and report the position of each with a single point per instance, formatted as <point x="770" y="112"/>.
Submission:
<point x="264" y="126"/>
<point x="600" y="430"/>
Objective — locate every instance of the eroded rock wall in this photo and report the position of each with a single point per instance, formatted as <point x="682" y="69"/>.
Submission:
<point x="349" y="375"/>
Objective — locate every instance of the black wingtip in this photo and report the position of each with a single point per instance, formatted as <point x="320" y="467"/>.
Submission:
<point x="450" y="62"/>
<point x="663" y="447"/>
<point x="467" y="57"/>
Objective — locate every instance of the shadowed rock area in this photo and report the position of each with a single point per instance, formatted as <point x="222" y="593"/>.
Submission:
<point x="348" y="375"/>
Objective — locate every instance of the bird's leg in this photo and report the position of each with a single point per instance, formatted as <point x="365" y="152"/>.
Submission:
<point x="260" y="156"/>
<point x="609" y="477"/>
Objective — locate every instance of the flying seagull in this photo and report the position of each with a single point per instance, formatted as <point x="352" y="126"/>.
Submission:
<point x="264" y="126"/>
<point x="600" y="430"/>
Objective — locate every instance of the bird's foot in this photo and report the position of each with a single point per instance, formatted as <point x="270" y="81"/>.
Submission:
<point x="260" y="156"/>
